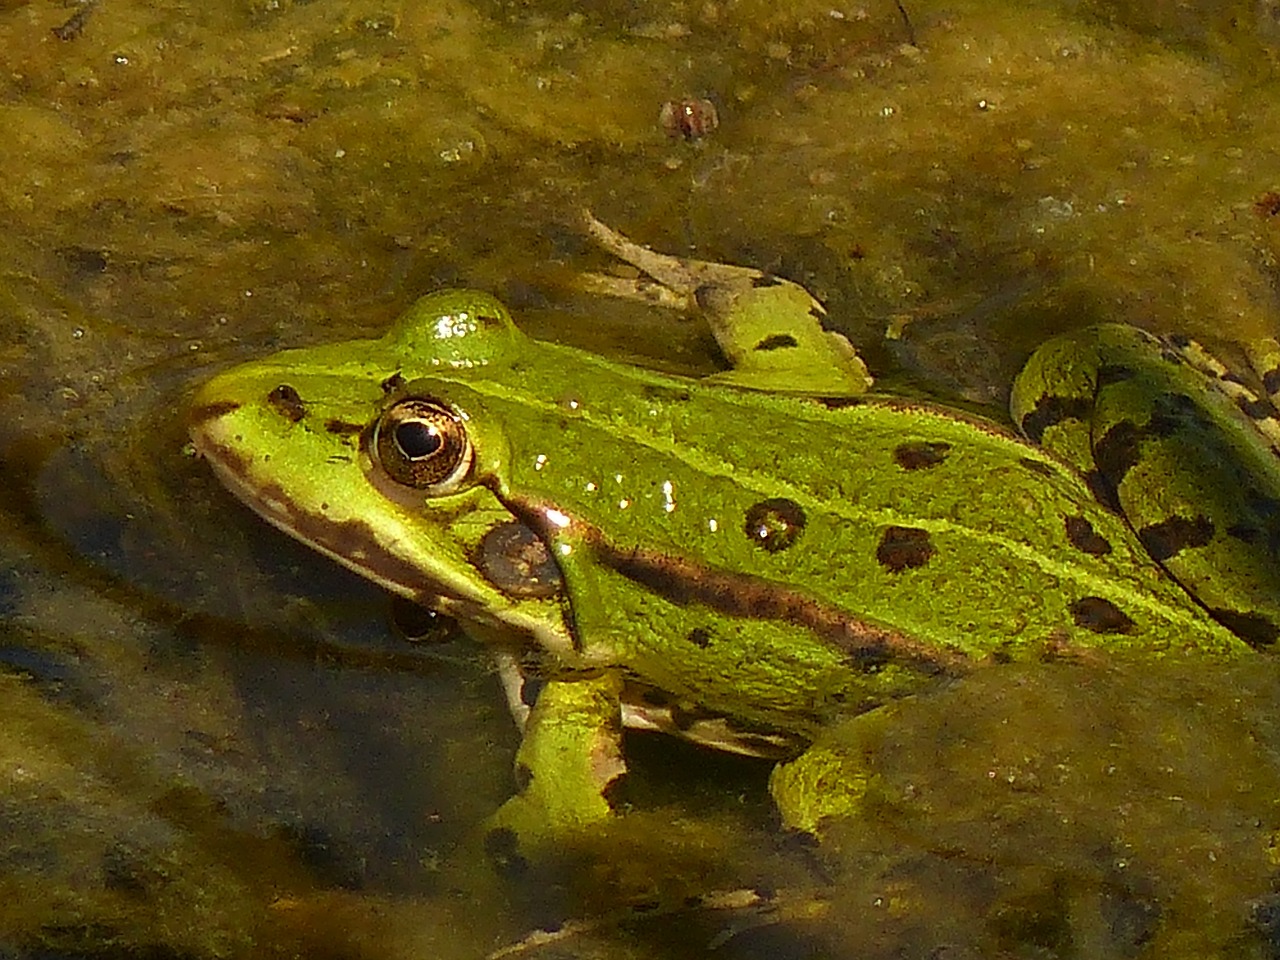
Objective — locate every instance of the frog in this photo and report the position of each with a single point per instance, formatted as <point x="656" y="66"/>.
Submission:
<point x="757" y="559"/>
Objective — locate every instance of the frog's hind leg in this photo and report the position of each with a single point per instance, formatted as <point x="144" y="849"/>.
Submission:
<point x="1167" y="436"/>
<point x="769" y="329"/>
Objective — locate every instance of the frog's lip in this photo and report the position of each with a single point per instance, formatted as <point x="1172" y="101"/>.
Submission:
<point x="351" y="543"/>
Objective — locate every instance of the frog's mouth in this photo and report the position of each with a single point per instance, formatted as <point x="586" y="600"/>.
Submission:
<point x="391" y="557"/>
<point x="352" y="543"/>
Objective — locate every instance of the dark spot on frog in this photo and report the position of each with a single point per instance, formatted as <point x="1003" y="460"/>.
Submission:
<point x="516" y="560"/>
<point x="1100" y="616"/>
<point x="1110" y="373"/>
<point x="738" y="595"/>
<point x="904" y="548"/>
<point x="700" y="637"/>
<point x="1171" y="412"/>
<point x="73" y="26"/>
<point x="777" y="341"/>
<point x="1253" y="628"/>
<point x="1262" y="505"/>
<point x="502" y="847"/>
<point x="1084" y="538"/>
<point x="343" y="427"/>
<point x="523" y="777"/>
<point x="765" y="280"/>
<point x="1169" y="537"/>
<point x="1179" y="340"/>
<point x="287" y="402"/>
<point x="920" y="454"/>
<point x="1256" y="408"/>
<point x="1271" y="380"/>
<point x="1036" y="466"/>
<point x="774" y="524"/>
<point x="667" y="394"/>
<point x="1245" y="533"/>
<point x="1102" y="490"/>
<point x="1116" y="453"/>
<point x="393" y="382"/>
<point x="1052" y="410"/>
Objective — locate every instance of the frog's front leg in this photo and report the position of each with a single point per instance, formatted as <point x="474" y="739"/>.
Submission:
<point x="570" y="754"/>
<point x="769" y="329"/>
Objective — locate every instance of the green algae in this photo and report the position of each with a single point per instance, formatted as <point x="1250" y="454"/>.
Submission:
<point x="186" y="185"/>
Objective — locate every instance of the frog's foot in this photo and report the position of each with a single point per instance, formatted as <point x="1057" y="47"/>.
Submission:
<point x="570" y="755"/>
<point x="829" y="782"/>
<point x="769" y="329"/>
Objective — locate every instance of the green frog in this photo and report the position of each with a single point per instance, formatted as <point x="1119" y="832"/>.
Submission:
<point x="755" y="559"/>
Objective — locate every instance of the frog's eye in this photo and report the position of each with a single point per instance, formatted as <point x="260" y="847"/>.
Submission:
<point x="423" y="444"/>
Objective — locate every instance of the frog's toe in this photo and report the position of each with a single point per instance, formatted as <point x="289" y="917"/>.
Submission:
<point x="821" y="785"/>
<point x="543" y="818"/>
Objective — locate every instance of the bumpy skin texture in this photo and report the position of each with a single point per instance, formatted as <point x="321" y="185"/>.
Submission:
<point x="784" y="561"/>
<point x="1188" y="464"/>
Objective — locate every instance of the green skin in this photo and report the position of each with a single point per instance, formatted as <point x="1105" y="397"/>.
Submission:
<point x="737" y="560"/>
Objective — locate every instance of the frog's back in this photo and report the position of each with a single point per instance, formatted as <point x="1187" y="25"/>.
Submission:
<point x="830" y="552"/>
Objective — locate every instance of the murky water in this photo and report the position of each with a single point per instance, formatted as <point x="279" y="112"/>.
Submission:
<point x="214" y="743"/>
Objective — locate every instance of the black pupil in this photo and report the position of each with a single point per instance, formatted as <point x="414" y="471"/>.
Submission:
<point x="418" y="439"/>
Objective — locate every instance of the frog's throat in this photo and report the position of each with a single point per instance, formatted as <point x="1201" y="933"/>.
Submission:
<point x="683" y="582"/>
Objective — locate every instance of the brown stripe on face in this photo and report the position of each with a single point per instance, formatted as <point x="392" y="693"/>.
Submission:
<point x="343" y="427"/>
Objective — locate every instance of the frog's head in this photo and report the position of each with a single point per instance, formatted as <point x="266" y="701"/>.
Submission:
<point x="357" y="450"/>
